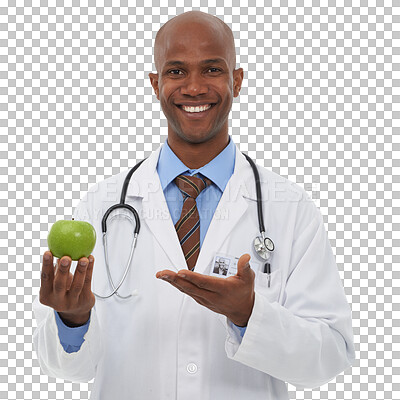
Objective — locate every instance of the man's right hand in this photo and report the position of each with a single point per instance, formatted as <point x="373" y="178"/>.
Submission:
<point x="70" y="295"/>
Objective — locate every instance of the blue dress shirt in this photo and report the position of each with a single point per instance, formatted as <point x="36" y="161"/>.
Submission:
<point x="169" y="166"/>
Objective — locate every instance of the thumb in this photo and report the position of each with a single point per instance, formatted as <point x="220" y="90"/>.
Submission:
<point x="243" y="266"/>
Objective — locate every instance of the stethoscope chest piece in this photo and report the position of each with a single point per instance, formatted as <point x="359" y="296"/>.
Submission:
<point x="269" y="244"/>
<point x="263" y="247"/>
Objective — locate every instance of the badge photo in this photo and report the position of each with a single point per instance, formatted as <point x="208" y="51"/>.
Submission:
<point x="224" y="266"/>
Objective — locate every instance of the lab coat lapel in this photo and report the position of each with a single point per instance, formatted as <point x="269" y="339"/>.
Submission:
<point x="145" y="183"/>
<point x="230" y="209"/>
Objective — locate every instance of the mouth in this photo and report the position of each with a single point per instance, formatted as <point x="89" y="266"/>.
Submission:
<point x="197" y="111"/>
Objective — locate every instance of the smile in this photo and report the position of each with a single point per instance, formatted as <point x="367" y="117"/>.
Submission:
<point x="196" y="112"/>
<point x="196" y="109"/>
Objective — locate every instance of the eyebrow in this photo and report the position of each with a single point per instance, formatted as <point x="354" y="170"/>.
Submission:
<point x="209" y="61"/>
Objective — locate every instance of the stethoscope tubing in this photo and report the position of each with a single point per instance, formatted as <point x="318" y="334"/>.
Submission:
<point x="137" y="225"/>
<point x="115" y="289"/>
<point x="258" y="193"/>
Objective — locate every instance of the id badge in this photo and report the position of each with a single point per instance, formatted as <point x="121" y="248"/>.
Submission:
<point x="224" y="266"/>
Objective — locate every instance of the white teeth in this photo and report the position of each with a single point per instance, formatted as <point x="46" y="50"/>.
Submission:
<point x="196" y="109"/>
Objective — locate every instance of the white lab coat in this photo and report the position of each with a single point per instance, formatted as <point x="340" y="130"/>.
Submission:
<point x="161" y="344"/>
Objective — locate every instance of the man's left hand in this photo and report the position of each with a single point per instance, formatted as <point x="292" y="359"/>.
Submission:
<point x="233" y="296"/>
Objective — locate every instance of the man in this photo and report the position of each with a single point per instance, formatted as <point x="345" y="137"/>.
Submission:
<point x="197" y="336"/>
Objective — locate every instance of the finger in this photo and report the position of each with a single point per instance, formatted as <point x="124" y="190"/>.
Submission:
<point x="87" y="287"/>
<point x="61" y="277"/>
<point x="79" y="278"/>
<point x="205" y="282"/>
<point x="174" y="279"/>
<point x="69" y="280"/>
<point x="47" y="275"/>
<point x="243" y="266"/>
<point x="164" y="272"/>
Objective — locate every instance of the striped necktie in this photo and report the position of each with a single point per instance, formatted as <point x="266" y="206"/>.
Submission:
<point x="188" y="225"/>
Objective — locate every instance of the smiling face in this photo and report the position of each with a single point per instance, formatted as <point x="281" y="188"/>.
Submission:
<point x="195" y="63"/>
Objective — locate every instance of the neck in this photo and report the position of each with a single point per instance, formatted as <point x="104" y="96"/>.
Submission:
<point x="196" y="155"/>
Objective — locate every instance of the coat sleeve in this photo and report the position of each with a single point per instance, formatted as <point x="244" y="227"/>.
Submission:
<point x="54" y="361"/>
<point x="306" y="339"/>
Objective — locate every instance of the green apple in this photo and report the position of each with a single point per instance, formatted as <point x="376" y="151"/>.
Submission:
<point x="75" y="239"/>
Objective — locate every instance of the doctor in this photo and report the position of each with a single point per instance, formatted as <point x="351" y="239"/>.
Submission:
<point x="185" y="334"/>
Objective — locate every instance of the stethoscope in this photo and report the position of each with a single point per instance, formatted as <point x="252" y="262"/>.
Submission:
<point x="263" y="245"/>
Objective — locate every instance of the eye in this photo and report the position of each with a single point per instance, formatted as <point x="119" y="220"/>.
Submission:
<point x="174" y="70"/>
<point x="178" y="71"/>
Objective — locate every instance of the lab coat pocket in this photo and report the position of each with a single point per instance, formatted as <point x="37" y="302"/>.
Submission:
<point x="272" y="291"/>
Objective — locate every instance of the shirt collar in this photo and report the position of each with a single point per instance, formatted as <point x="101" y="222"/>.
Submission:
<point x="219" y="169"/>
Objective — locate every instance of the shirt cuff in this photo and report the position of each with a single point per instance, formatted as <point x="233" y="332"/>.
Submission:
<point x="71" y="338"/>
<point x="242" y="329"/>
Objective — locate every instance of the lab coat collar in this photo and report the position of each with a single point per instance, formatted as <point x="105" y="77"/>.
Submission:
<point x="146" y="180"/>
<point x="145" y="184"/>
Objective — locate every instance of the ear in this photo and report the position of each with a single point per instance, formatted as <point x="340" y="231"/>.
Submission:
<point x="154" y="83"/>
<point x="237" y="81"/>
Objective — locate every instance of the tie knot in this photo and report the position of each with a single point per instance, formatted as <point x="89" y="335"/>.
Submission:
<point x="191" y="186"/>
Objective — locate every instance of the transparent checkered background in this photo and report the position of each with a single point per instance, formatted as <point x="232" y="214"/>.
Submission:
<point x="318" y="106"/>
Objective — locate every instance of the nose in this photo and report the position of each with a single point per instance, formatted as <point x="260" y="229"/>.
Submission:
<point x="194" y="85"/>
